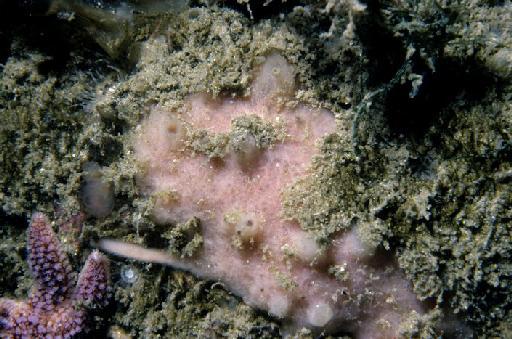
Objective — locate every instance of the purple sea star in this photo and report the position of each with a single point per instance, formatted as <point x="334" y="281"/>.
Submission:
<point x="54" y="309"/>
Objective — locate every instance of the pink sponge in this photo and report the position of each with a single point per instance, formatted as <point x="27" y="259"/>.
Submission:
<point x="227" y="162"/>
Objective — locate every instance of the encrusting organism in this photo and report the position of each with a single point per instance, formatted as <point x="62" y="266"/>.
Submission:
<point x="218" y="174"/>
<point x="54" y="308"/>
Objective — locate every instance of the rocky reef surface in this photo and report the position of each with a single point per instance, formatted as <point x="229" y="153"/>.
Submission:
<point x="418" y="161"/>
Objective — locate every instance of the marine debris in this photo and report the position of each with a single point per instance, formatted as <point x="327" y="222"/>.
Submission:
<point x="54" y="307"/>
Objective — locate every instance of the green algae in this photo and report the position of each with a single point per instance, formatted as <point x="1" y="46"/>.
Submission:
<point x="321" y="202"/>
<point x="14" y="279"/>
<point x="423" y="174"/>
<point x="265" y="134"/>
<point x="249" y="134"/>
<point x="421" y="326"/>
<point x="214" y="146"/>
<point x="185" y="239"/>
<point x="339" y="272"/>
<point x="284" y="280"/>
<point x="40" y="158"/>
<point x="175" y="304"/>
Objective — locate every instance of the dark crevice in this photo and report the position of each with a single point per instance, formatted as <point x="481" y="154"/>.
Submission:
<point x="385" y="52"/>
<point x="412" y="112"/>
<point x="19" y="222"/>
<point x="258" y="9"/>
